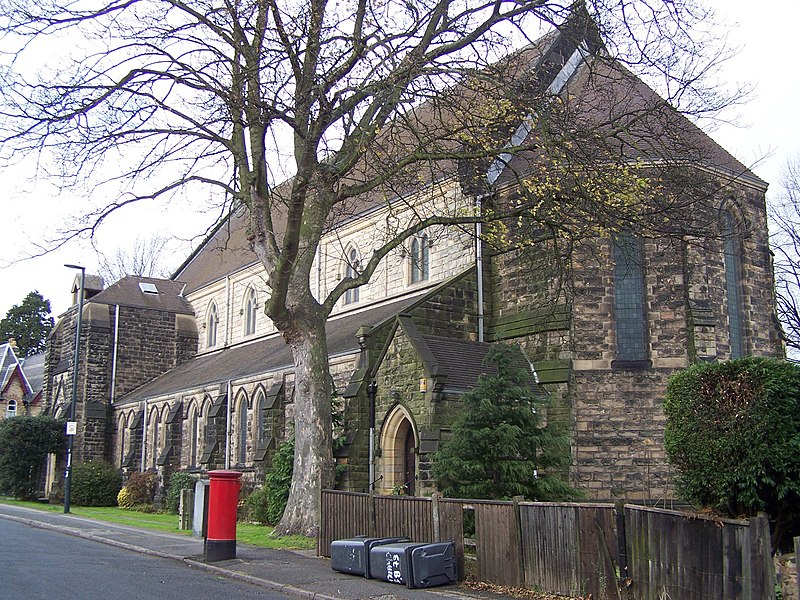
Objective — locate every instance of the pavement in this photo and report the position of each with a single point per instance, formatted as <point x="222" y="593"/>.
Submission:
<point x="295" y="573"/>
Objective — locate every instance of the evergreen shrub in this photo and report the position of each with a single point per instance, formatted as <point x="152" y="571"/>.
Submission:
<point x="124" y="499"/>
<point x="279" y="481"/>
<point x="95" y="483"/>
<point x="500" y="446"/>
<point x="177" y="482"/>
<point x="733" y="434"/>
<point x="142" y="487"/>
<point x="256" y="507"/>
<point x="25" y="442"/>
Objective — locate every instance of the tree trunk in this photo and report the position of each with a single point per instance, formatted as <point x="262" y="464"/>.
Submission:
<point x="313" y="455"/>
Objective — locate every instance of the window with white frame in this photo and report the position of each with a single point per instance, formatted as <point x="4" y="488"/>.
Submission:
<point x="250" y="311"/>
<point x="419" y="255"/>
<point x="11" y="409"/>
<point x="352" y="266"/>
<point x="212" y="322"/>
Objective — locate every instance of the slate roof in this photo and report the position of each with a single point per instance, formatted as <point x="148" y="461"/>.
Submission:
<point x="604" y="97"/>
<point x="263" y="356"/>
<point x="8" y="362"/>
<point x="33" y="367"/>
<point x="461" y="362"/>
<point x="31" y="370"/>
<point x="127" y="292"/>
<point x="625" y="118"/>
<point x="435" y="124"/>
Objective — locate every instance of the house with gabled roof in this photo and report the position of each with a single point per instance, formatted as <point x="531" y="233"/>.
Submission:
<point x="20" y="382"/>
<point x="603" y="307"/>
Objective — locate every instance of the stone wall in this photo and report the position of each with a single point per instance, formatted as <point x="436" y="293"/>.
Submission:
<point x="149" y="342"/>
<point x="563" y="317"/>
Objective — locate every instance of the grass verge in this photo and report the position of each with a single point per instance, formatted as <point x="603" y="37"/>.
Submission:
<point x="247" y="533"/>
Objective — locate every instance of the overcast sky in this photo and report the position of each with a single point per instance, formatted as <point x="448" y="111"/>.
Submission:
<point x="766" y="135"/>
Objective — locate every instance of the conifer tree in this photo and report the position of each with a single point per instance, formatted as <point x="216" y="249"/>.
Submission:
<point x="500" y="445"/>
<point x="29" y="323"/>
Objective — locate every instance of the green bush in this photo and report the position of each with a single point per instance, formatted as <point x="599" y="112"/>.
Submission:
<point x="279" y="481"/>
<point x="25" y="442"/>
<point x="95" y="483"/>
<point x="256" y="507"/>
<point x="177" y="482"/>
<point x="142" y="487"/>
<point x="124" y="499"/>
<point x="500" y="446"/>
<point x="733" y="434"/>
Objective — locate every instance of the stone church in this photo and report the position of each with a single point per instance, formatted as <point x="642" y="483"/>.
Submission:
<point x="188" y="374"/>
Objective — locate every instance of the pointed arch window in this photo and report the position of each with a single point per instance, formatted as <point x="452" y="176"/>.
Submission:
<point x="11" y="409"/>
<point x="352" y="270"/>
<point x="732" y="251"/>
<point x="155" y="442"/>
<point x="420" y="258"/>
<point x="194" y="432"/>
<point x="242" y="438"/>
<point x="260" y="419"/>
<point x="212" y="323"/>
<point x="122" y="429"/>
<point x="629" y="302"/>
<point x="250" y="312"/>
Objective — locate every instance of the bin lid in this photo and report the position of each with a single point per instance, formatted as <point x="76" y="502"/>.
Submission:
<point x="224" y="474"/>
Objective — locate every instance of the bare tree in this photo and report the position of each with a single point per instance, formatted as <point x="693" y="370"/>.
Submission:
<point x="143" y="257"/>
<point x="784" y="213"/>
<point x="357" y="101"/>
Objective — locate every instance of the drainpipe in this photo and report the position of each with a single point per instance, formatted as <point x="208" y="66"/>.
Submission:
<point x="372" y="390"/>
<point x="479" y="264"/>
<point x="228" y="445"/>
<point x="114" y="354"/>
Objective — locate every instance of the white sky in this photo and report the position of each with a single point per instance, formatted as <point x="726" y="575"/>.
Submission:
<point x="768" y="133"/>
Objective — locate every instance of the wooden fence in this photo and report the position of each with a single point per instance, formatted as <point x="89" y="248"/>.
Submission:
<point x="613" y="552"/>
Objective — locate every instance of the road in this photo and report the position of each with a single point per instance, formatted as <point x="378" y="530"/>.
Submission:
<point x="41" y="564"/>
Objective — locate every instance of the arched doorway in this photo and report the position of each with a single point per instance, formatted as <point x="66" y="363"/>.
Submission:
<point x="398" y="462"/>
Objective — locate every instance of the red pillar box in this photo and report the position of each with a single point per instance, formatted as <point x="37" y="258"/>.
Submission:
<point x="223" y="499"/>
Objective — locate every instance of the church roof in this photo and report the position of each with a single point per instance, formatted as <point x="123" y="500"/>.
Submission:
<point x="603" y="96"/>
<point x="163" y="295"/>
<point x="265" y="355"/>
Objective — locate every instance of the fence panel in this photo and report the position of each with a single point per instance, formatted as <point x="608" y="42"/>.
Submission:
<point x="408" y="516"/>
<point x="451" y="529"/>
<point x="497" y="544"/>
<point x="569" y="548"/>
<point x="573" y="548"/>
<point x="597" y="551"/>
<point x="675" y="555"/>
<point x="344" y="515"/>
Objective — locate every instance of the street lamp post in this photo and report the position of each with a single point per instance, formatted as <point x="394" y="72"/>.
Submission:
<point x="72" y="425"/>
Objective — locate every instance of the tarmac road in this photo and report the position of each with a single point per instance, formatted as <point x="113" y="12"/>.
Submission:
<point x="48" y="565"/>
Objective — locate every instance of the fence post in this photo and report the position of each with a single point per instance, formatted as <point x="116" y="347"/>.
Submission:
<point x="797" y="562"/>
<point x="186" y="509"/>
<point x="622" y="546"/>
<point x="518" y="526"/>
<point x="762" y="571"/>
<point x="437" y="523"/>
<point x="371" y="527"/>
